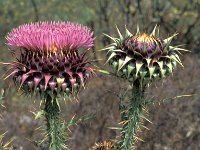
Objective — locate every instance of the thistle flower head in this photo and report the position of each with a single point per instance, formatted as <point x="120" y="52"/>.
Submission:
<point x="50" y="60"/>
<point x="142" y="55"/>
<point x="50" y="36"/>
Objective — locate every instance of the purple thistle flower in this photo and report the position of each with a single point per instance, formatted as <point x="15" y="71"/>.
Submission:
<point x="50" y="36"/>
<point x="50" y="60"/>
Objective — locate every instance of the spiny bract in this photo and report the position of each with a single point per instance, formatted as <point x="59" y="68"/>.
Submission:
<point x="50" y="60"/>
<point x="142" y="56"/>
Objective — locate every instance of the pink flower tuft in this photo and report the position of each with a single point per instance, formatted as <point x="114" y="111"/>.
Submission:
<point x="52" y="36"/>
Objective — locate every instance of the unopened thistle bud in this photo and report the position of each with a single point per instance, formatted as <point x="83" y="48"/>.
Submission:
<point x="143" y="56"/>
<point x="50" y="60"/>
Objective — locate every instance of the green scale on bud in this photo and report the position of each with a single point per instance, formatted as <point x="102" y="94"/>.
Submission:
<point x="143" y="56"/>
<point x="140" y="58"/>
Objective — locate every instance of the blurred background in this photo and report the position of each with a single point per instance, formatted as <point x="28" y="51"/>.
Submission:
<point x="176" y="122"/>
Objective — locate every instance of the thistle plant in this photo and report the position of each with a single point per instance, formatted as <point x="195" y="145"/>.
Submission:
<point x="139" y="58"/>
<point x="52" y="64"/>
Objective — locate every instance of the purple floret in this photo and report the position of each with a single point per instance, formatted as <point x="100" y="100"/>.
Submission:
<point x="56" y="36"/>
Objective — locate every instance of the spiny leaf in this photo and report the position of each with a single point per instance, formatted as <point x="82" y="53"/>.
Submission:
<point x="107" y="48"/>
<point x="115" y="50"/>
<point x="120" y="35"/>
<point x="39" y="114"/>
<point x="118" y="50"/>
<point x="153" y="33"/>
<point x="114" y="39"/>
<point x="74" y="121"/>
<point x="169" y="39"/>
<point x="142" y="116"/>
<point x="137" y="138"/>
<point x="178" y="49"/>
<point x="58" y="104"/>
<point x="15" y="71"/>
<point x="177" y="60"/>
<point x="114" y="128"/>
<point x="2" y="97"/>
<point x="128" y="33"/>
<point x="110" y="57"/>
<point x="103" y="71"/>
<point x="177" y="57"/>
<point x="145" y="127"/>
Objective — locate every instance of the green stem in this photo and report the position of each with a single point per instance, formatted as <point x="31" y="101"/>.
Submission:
<point x="131" y="117"/>
<point x="55" y="134"/>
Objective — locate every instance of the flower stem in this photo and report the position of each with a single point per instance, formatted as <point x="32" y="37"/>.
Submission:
<point x="131" y="116"/>
<point x="55" y="134"/>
